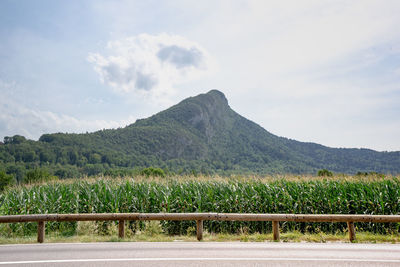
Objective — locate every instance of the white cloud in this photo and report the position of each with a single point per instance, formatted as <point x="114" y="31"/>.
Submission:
<point x="151" y="64"/>
<point x="15" y="118"/>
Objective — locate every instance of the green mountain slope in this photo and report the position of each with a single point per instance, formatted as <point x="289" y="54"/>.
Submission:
<point x="201" y="134"/>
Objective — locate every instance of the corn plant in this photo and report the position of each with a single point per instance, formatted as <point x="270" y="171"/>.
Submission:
<point x="251" y="196"/>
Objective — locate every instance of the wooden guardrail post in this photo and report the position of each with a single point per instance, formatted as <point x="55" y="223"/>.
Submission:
<point x="199" y="229"/>
<point x="352" y="231"/>
<point x="121" y="228"/>
<point x="275" y="230"/>
<point x="40" y="232"/>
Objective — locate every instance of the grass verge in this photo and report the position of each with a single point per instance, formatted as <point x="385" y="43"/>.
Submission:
<point x="87" y="232"/>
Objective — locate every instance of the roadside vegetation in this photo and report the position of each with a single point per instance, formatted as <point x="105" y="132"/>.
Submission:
<point x="153" y="232"/>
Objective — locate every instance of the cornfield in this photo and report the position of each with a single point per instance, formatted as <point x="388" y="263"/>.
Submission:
<point x="244" y="196"/>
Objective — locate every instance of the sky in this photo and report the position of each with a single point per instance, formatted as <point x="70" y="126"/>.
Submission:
<point x="320" y="71"/>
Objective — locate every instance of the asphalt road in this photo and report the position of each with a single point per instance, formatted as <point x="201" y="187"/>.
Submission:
<point x="200" y="254"/>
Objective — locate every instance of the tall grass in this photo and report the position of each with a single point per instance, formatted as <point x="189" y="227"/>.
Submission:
<point x="311" y="196"/>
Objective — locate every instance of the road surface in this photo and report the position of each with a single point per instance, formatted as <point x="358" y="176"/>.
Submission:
<point x="200" y="254"/>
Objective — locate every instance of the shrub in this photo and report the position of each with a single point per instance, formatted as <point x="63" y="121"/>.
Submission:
<point x="325" y="172"/>
<point x="153" y="172"/>
<point x="37" y="176"/>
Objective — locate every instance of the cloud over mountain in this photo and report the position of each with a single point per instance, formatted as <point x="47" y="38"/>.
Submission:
<point x="150" y="63"/>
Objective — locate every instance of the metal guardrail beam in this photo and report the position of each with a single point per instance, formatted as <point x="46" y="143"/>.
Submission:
<point x="350" y="219"/>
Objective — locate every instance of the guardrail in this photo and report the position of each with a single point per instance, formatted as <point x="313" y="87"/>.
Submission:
<point x="350" y="219"/>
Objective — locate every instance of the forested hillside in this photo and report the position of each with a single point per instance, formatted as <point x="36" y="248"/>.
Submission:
<point x="201" y="134"/>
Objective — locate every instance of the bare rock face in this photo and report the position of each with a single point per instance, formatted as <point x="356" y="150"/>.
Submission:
<point x="200" y="120"/>
<point x="209" y="113"/>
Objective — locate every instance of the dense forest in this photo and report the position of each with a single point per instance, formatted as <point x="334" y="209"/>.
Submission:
<point x="201" y="134"/>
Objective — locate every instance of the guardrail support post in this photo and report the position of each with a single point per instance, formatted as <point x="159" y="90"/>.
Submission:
<point x="199" y="224"/>
<point x="121" y="228"/>
<point x="40" y="232"/>
<point x="275" y="230"/>
<point x="352" y="231"/>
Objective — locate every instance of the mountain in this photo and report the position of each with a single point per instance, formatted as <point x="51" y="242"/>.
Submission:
<point x="200" y="134"/>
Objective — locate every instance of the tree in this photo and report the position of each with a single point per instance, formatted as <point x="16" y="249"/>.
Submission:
<point x="47" y="156"/>
<point x="29" y="155"/>
<point x="16" y="139"/>
<point x="6" y="180"/>
<point x="17" y="170"/>
<point x="94" y="158"/>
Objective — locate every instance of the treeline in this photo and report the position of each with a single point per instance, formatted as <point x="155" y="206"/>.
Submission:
<point x="26" y="161"/>
<point x="65" y="157"/>
<point x="126" y="153"/>
<point x="38" y="175"/>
